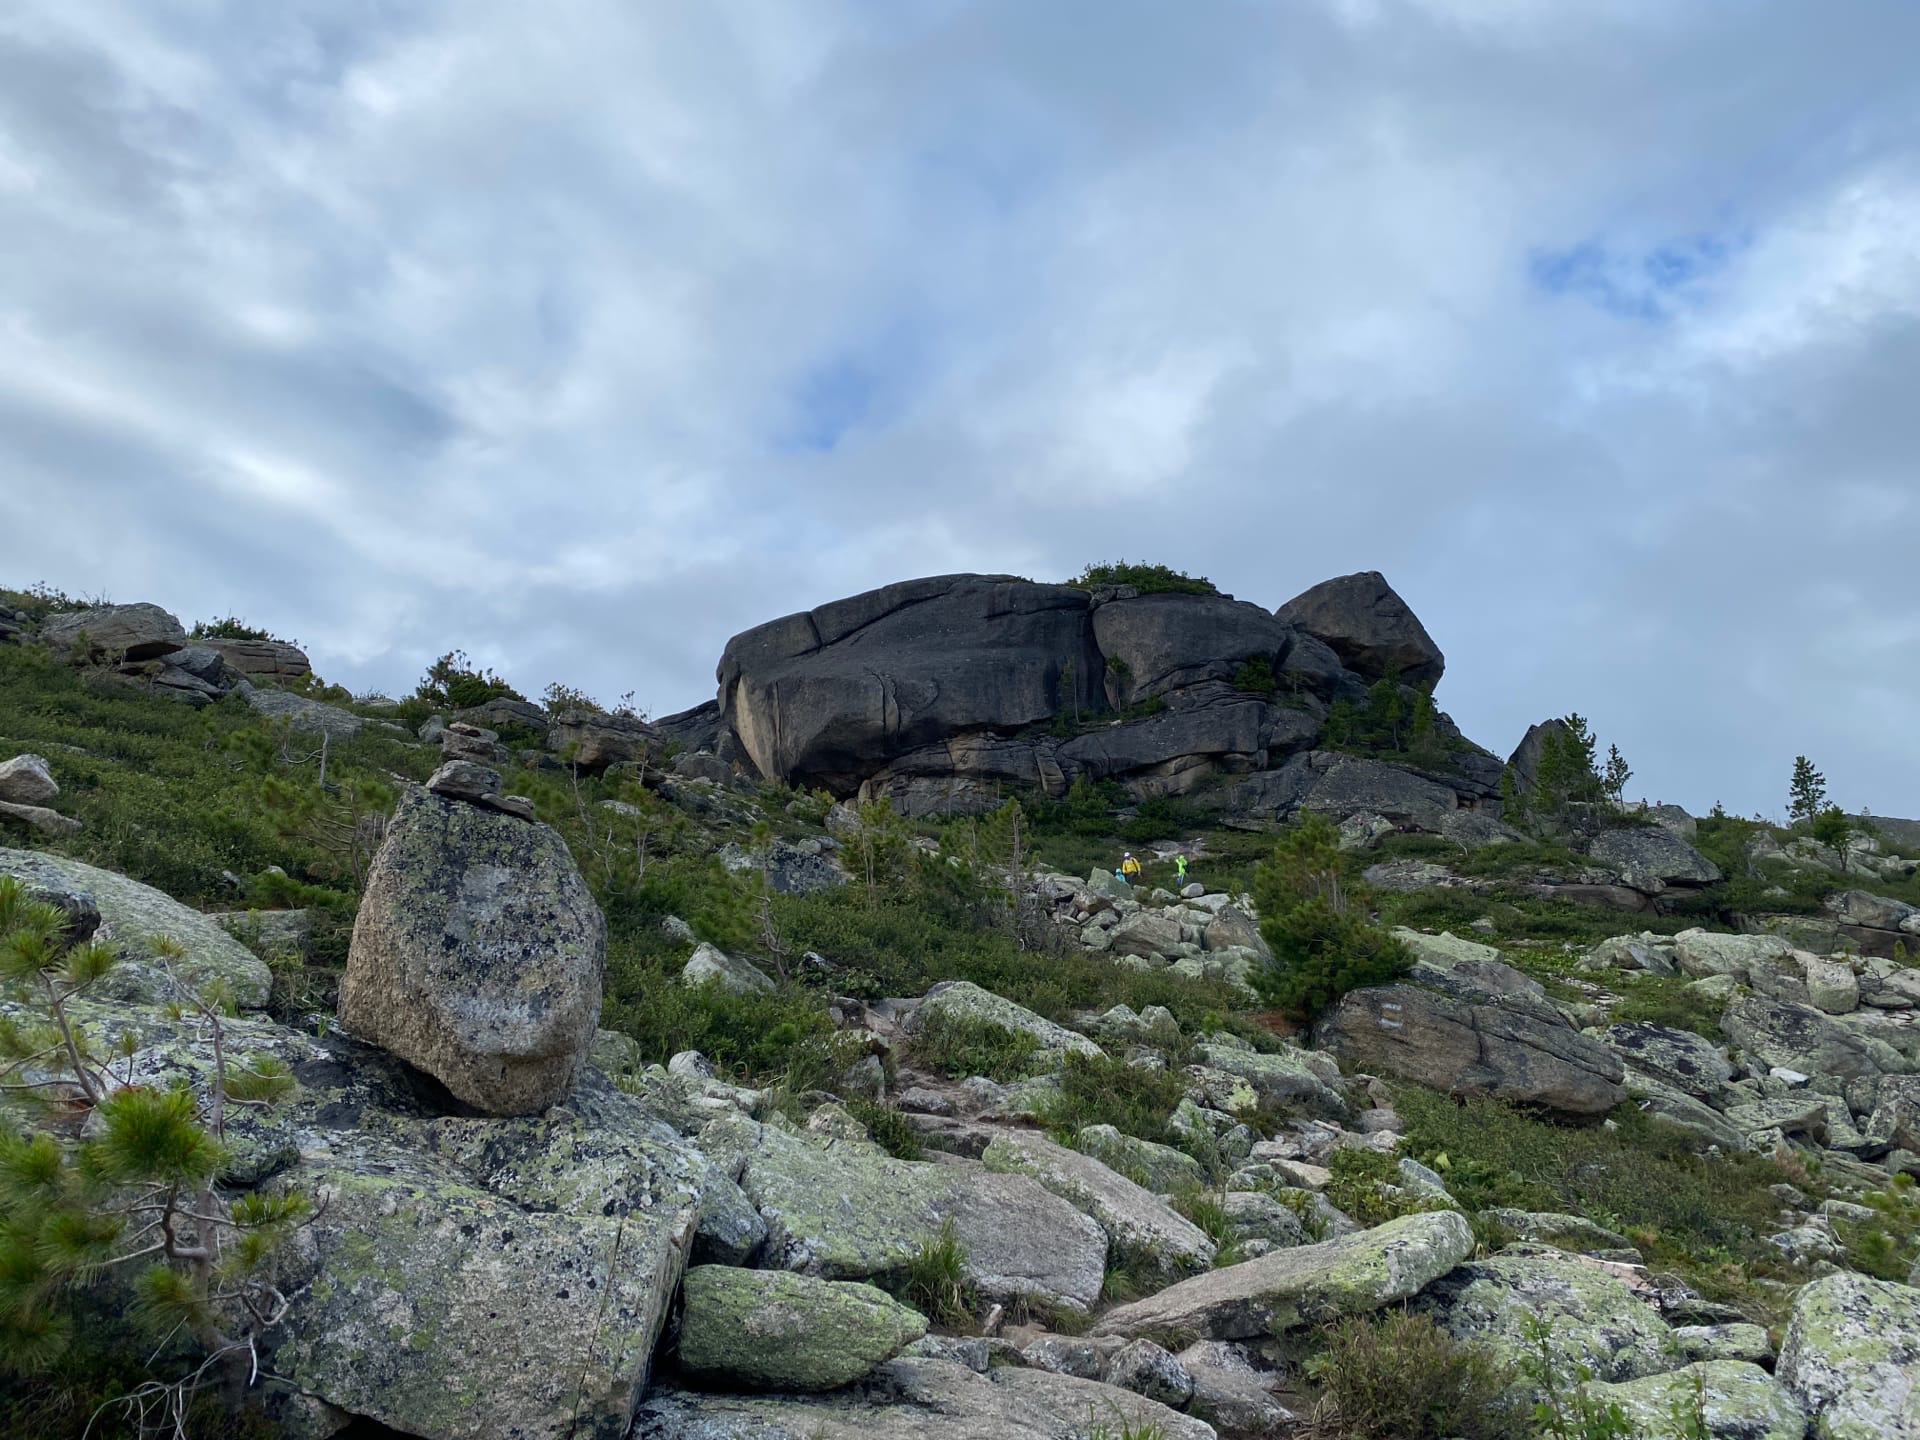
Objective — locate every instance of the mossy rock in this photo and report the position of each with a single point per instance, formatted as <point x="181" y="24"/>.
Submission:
<point x="772" y="1330"/>
<point x="1735" y="1399"/>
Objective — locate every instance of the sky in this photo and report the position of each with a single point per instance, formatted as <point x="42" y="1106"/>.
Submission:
<point x="582" y="335"/>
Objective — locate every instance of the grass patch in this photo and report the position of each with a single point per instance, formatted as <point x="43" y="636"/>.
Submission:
<point x="960" y="1045"/>
<point x="1398" y="1376"/>
<point x="1667" y="1000"/>
<point x="1706" y="1219"/>
<point x="889" y="1128"/>
<point x="936" y="1281"/>
<point x="1100" y="1090"/>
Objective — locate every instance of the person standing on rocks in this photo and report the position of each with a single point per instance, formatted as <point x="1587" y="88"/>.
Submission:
<point x="1179" y="871"/>
<point x="1130" y="869"/>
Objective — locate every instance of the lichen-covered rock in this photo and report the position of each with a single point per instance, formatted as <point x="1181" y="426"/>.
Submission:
<point x="916" y="1398"/>
<point x="1736" y="1400"/>
<point x="477" y="954"/>
<point x="963" y="1000"/>
<point x="1730" y="1341"/>
<point x="1652" y="858"/>
<point x="1707" y="952"/>
<point x="301" y="712"/>
<point x="774" y="1330"/>
<point x="1593" y="1319"/>
<point x="845" y="1210"/>
<point x="1851" y="1357"/>
<point x="709" y="963"/>
<point x="134" y="918"/>
<point x="1680" y="1058"/>
<point x="1509" y="1048"/>
<point x="1144" y="1368"/>
<point x="1563" y="1232"/>
<point x="1159" y="1168"/>
<point x="1290" y="1076"/>
<point x="1308" y="1285"/>
<point x="1137" y="1224"/>
<point x="1681" y="1110"/>
<point x="1798" y="1037"/>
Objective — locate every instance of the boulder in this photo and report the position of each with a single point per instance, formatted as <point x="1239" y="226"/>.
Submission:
<point x="1156" y="643"/>
<point x="1286" y="1077"/>
<point x="843" y="1209"/>
<point x="1233" y="928"/>
<point x="1706" y="952"/>
<point x="26" y="780"/>
<point x="963" y="1000"/>
<point x="1680" y="1058"/>
<point x="709" y="962"/>
<point x="300" y="713"/>
<point x="131" y="632"/>
<point x="920" y="1398"/>
<point x="829" y="696"/>
<point x="262" y="659"/>
<point x="1563" y="1232"/>
<point x="1146" y="1369"/>
<point x="1851" y="1357"/>
<point x="1798" y="1037"/>
<point x="1370" y="628"/>
<point x="1736" y="1400"/>
<point x="1160" y="1169"/>
<point x="1832" y="986"/>
<point x="38" y="817"/>
<point x="1342" y="785"/>
<point x="1734" y="1340"/>
<point x="774" y="1330"/>
<point x="1896" y="1111"/>
<point x="1311" y="1284"/>
<point x="1138" y="1225"/>
<point x="477" y="954"/>
<point x="1525" y="760"/>
<point x="593" y="740"/>
<point x="132" y="918"/>
<point x="1231" y="1392"/>
<point x="1651" y="858"/>
<point x="1594" y="1319"/>
<point x="1147" y="933"/>
<point x="1463" y="1047"/>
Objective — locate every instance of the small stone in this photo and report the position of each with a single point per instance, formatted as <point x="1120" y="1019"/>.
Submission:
<point x="465" y="780"/>
<point x="26" y="780"/>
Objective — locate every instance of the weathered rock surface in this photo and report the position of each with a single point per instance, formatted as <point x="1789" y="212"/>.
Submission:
<point x="1680" y="1058"/>
<point x="843" y="1209"/>
<point x="1307" y="1285"/>
<point x="1594" y="1319"/>
<point x="919" y="1399"/>
<point x="26" y="780"/>
<point x="1800" y="1038"/>
<point x="593" y="740"/>
<point x="774" y="1330"/>
<point x="477" y="954"/>
<point x="963" y="1000"/>
<point x="1368" y="626"/>
<point x="710" y="963"/>
<point x="1165" y="642"/>
<point x="135" y="916"/>
<point x="264" y="659"/>
<point x="1135" y="1221"/>
<point x="1737" y="1401"/>
<point x="39" y="817"/>
<point x="1651" y="858"/>
<point x="1851" y="1357"/>
<point x="133" y="632"/>
<point x="1473" y="1048"/>
<point x="304" y="714"/>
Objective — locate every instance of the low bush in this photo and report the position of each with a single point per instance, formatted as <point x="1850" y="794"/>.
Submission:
<point x="1398" y="1376"/>
<point x="1147" y="579"/>
<point x="1314" y="918"/>
<point x="1100" y="1090"/>
<point x="959" y="1046"/>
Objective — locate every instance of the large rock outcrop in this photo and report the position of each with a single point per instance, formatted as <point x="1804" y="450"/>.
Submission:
<point x="131" y="632"/>
<point x="477" y="954"/>
<point x="1851" y="1357"/>
<point x="1368" y="626"/>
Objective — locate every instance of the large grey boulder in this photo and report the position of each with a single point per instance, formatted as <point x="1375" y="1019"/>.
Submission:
<point x="828" y="696"/>
<point x="774" y="1330"/>
<point x="1343" y="785"/>
<point x="1508" y="1051"/>
<point x="301" y="713"/>
<point x="1368" y="626"/>
<point x="921" y="1398"/>
<point x="1156" y="643"/>
<point x="1680" y="1058"/>
<point x="1137" y="1223"/>
<point x="477" y="954"/>
<point x="132" y="632"/>
<point x="1593" y="1319"/>
<point x="1651" y="858"/>
<point x="137" y="920"/>
<point x="1851" y="1357"/>
<point x="26" y="780"/>
<point x="593" y="739"/>
<point x="843" y="1209"/>
<point x="1308" y="1285"/>
<point x="262" y="659"/>
<point x="710" y="963"/>
<point x="1736" y="1399"/>
<point x="963" y="1000"/>
<point x="1798" y="1037"/>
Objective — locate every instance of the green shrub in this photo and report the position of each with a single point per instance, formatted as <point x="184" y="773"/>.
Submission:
<point x="1147" y="579"/>
<point x="228" y="627"/>
<point x="1256" y="676"/>
<point x="890" y="1129"/>
<point x="1397" y="1376"/>
<point x="959" y="1046"/>
<point x="454" y="683"/>
<point x="1366" y="1185"/>
<point x="1313" y="918"/>
<point x="1100" y="1090"/>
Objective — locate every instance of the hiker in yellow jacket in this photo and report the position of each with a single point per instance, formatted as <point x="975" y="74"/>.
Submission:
<point x="1130" y="869"/>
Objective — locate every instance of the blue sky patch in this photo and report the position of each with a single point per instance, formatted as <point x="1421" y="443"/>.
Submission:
<point x="1650" y="283"/>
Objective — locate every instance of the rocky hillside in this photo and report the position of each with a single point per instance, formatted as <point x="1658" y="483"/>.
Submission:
<point x="804" y="1066"/>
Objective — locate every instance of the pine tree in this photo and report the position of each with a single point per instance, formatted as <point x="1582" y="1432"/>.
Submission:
<point x="1806" y="792"/>
<point x="1614" y="779"/>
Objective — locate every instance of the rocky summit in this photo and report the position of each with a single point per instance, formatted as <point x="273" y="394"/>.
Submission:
<point x="1005" y="1011"/>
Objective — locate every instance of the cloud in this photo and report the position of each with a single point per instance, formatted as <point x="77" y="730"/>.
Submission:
<point x="582" y="336"/>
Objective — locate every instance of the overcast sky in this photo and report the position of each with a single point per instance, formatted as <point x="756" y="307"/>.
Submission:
<point x="584" y="334"/>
